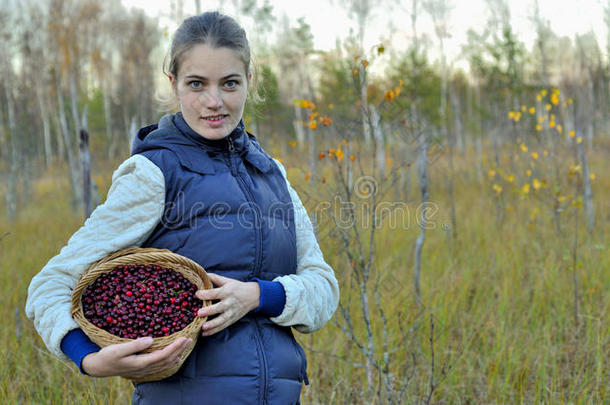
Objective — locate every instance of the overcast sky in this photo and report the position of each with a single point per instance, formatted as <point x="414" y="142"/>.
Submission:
<point x="329" y="21"/>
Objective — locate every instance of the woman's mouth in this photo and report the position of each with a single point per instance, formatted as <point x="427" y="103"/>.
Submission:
<point x="215" y="120"/>
<point x="214" y="117"/>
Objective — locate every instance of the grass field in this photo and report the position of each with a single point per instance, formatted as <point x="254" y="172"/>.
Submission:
<point x="500" y="299"/>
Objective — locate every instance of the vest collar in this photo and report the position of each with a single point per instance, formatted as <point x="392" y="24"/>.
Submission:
<point x="242" y="144"/>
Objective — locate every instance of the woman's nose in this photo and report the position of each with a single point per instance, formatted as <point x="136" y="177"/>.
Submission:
<point x="212" y="99"/>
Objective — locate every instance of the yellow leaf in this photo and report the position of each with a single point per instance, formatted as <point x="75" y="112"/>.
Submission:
<point x="559" y="128"/>
<point x="570" y="101"/>
<point x="528" y="172"/>
<point x="523" y="108"/>
<point x="578" y="140"/>
<point x="523" y="147"/>
<point x="525" y="189"/>
<point x="532" y="110"/>
<point x="592" y="176"/>
<point x="313" y="125"/>
<point x="543" y="92"/>
<point x="538" y="127"/>
<point x="511" y="114"/>
<point x="352" y="157"/>
<point x="339" y="154"/>
<point x="497" y="188"/>
<point x="536" y="184"/>
<point x="492" y="173"/>
<point x="292" y="144"/>
<point x="552" y="124"/>
<point x="572" y="134"/>
<point x="548" y="107"/>
<point x="555" y="99"/>
<point x="510" y="178"/>
<point x="534" y="155"/>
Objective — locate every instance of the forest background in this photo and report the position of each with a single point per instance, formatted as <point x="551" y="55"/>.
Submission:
<point x="462" y="201"/>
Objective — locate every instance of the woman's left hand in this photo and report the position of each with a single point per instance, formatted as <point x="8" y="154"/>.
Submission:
<point x="235" y="299"/>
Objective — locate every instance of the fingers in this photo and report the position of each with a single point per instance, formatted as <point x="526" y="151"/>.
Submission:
<point x="216" y="325"/>
<point x="126" y="349"/>
<point x="212" y="309"/>
<point x="218" y="280"/>
<point x="164" y="357"/>
<point x="209" y="295"/>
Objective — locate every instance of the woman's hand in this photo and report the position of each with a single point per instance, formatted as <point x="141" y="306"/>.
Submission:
<point x="121" y="359"/>
<point x="235" y="299"/>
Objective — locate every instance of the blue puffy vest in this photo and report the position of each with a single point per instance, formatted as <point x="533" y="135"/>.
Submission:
<point x="227" y="207"/>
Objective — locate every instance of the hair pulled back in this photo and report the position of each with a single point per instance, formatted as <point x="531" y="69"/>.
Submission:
<point x="210" y="28"/>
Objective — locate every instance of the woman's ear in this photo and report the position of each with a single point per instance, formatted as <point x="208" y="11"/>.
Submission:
<point x="172" y="81"/>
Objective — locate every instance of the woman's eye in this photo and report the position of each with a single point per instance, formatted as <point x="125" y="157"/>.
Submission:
<point x="231" y="84"/>
<point x="195" y="85"/>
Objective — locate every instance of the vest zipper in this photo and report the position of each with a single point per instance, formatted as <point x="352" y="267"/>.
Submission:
<point x="257" y="263"/>
<point x="259" y="343"/>
<point x="257" y="220"/>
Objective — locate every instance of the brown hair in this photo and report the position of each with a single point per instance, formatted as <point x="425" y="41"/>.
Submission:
<point x="211" y="28"/>
<point x="218" y="31"/>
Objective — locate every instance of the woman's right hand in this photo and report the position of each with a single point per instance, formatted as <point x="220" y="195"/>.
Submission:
<point x="122" y="359"/>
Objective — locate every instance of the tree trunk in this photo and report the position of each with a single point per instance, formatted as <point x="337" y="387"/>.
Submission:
<point x="587" y="189"/>
<point x="11" y="192"/>
<point x="379" y="144"/>
<point x="72" y="162"/>
<point x="423" y="186"/>
<point x="110" y="138"/>
<point x="46" y="130"/>
<point x="83" y="147"/>
<point x="297" y="123"/>
<point x="366" y="125"/>
<point x="131" y="134"/>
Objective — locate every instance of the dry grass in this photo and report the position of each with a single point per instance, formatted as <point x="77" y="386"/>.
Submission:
<point x="501" y="297"/>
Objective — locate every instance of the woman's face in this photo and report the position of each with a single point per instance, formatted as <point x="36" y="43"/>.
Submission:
<point x="211" y="87"/>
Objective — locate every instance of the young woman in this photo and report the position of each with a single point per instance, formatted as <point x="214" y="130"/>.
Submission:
<point x="199" y="185"/>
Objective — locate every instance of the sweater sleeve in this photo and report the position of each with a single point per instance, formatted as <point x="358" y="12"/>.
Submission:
<point x="133" y="208"/>
<point x="312" y="294"/>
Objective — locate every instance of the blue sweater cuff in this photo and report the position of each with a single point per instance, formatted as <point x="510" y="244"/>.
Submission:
<point x="272" y="299"/>
<point x="76" y="345"/>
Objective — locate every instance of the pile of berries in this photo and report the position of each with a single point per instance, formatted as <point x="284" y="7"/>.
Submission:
<point x="134" y="301"/>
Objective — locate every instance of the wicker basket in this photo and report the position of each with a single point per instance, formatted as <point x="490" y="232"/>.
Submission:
<point x="160" y="257"/>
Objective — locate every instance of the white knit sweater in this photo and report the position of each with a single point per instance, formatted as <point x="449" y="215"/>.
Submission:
<point x="133" y="208"/>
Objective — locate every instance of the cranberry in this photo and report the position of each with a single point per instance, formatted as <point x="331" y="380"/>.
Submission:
<point x="119" y="301"/>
